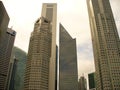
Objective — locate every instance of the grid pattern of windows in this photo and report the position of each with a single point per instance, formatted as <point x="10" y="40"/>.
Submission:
<point x="5" y="54"/>
<point x="68" y="75"/>
<point x="37" y="68"/>
<point x="105" y="45"/>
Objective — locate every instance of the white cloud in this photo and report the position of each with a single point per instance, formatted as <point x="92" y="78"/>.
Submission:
<point x="116" y="11"/>
<point x="85" y="59"/>
<point x="85" y="67"/>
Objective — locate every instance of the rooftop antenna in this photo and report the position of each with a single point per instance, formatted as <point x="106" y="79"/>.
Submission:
<point x="11" y="27"/>
<point x="83" y="74"/>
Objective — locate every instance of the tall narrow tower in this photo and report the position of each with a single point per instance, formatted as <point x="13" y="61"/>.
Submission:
<point x="106" y="45"/>
<point x="82" y="83"/>
<point x="49" y="11"/>
<point x="5" y="55"/>
<point x="39" y="54"/>
<point x="68" y="74"/>
<point x="4" y="20"/>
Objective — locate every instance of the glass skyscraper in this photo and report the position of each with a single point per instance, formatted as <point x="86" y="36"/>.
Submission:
<point x="68" y="74"/>
<point x="91" y="81"/>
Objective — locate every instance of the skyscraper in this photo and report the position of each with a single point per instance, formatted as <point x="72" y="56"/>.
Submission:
<point x="68" y="74"/>
<point x="106" y="45"/>
<point x="49" y="11"/>
<point x="91" y="80"/>
<point x="4" y="20"/>
<point x="82" y="83"/>
<point x="44" y="26"/>
<point x="5" y="55"/>
<point x="39" y="54"/>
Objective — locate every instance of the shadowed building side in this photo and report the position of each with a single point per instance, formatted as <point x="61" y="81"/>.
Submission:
<point x="91" y="81"/>
<point x="13" y="68"/>
<point x="56" y="76"/>
<point x="82" y="83"/>
<point x="5" y="55"/>
<point x="7" y="49"/>
<point x="4" y="63"/>
<point x="4" y="20"/>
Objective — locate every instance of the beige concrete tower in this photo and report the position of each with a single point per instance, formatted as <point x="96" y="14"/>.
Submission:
<point x="106" y="45"/>
<point x="39" y="54"/>
<point x="49" y="11"/>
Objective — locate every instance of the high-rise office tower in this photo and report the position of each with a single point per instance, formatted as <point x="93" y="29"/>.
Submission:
<point x="106" y="45"/>
<point x="5" y="55"/>
<point x="82" y="83"/>
<point x="4" y="20"/>
<point x="39" y="55"/>
<point x="91" y="81"/>
<point x="49" y="11"/>
<point x="68" y="74"/>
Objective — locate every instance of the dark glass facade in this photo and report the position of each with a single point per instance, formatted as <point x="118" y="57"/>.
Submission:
<point x="12" y="80"/>
<point x="68" y="74"/>
<point x="91" y="80"/>
<point x="56" y="72"/>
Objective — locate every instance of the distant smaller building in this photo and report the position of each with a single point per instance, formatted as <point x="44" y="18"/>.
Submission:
<point x="82" y="84"/>
<point x="56" y="81"/>
<point x="12" y="79"/>
<point x="91" y="80"/>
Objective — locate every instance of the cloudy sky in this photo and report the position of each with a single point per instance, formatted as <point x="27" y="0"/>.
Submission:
<point x="71" y="13"/>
